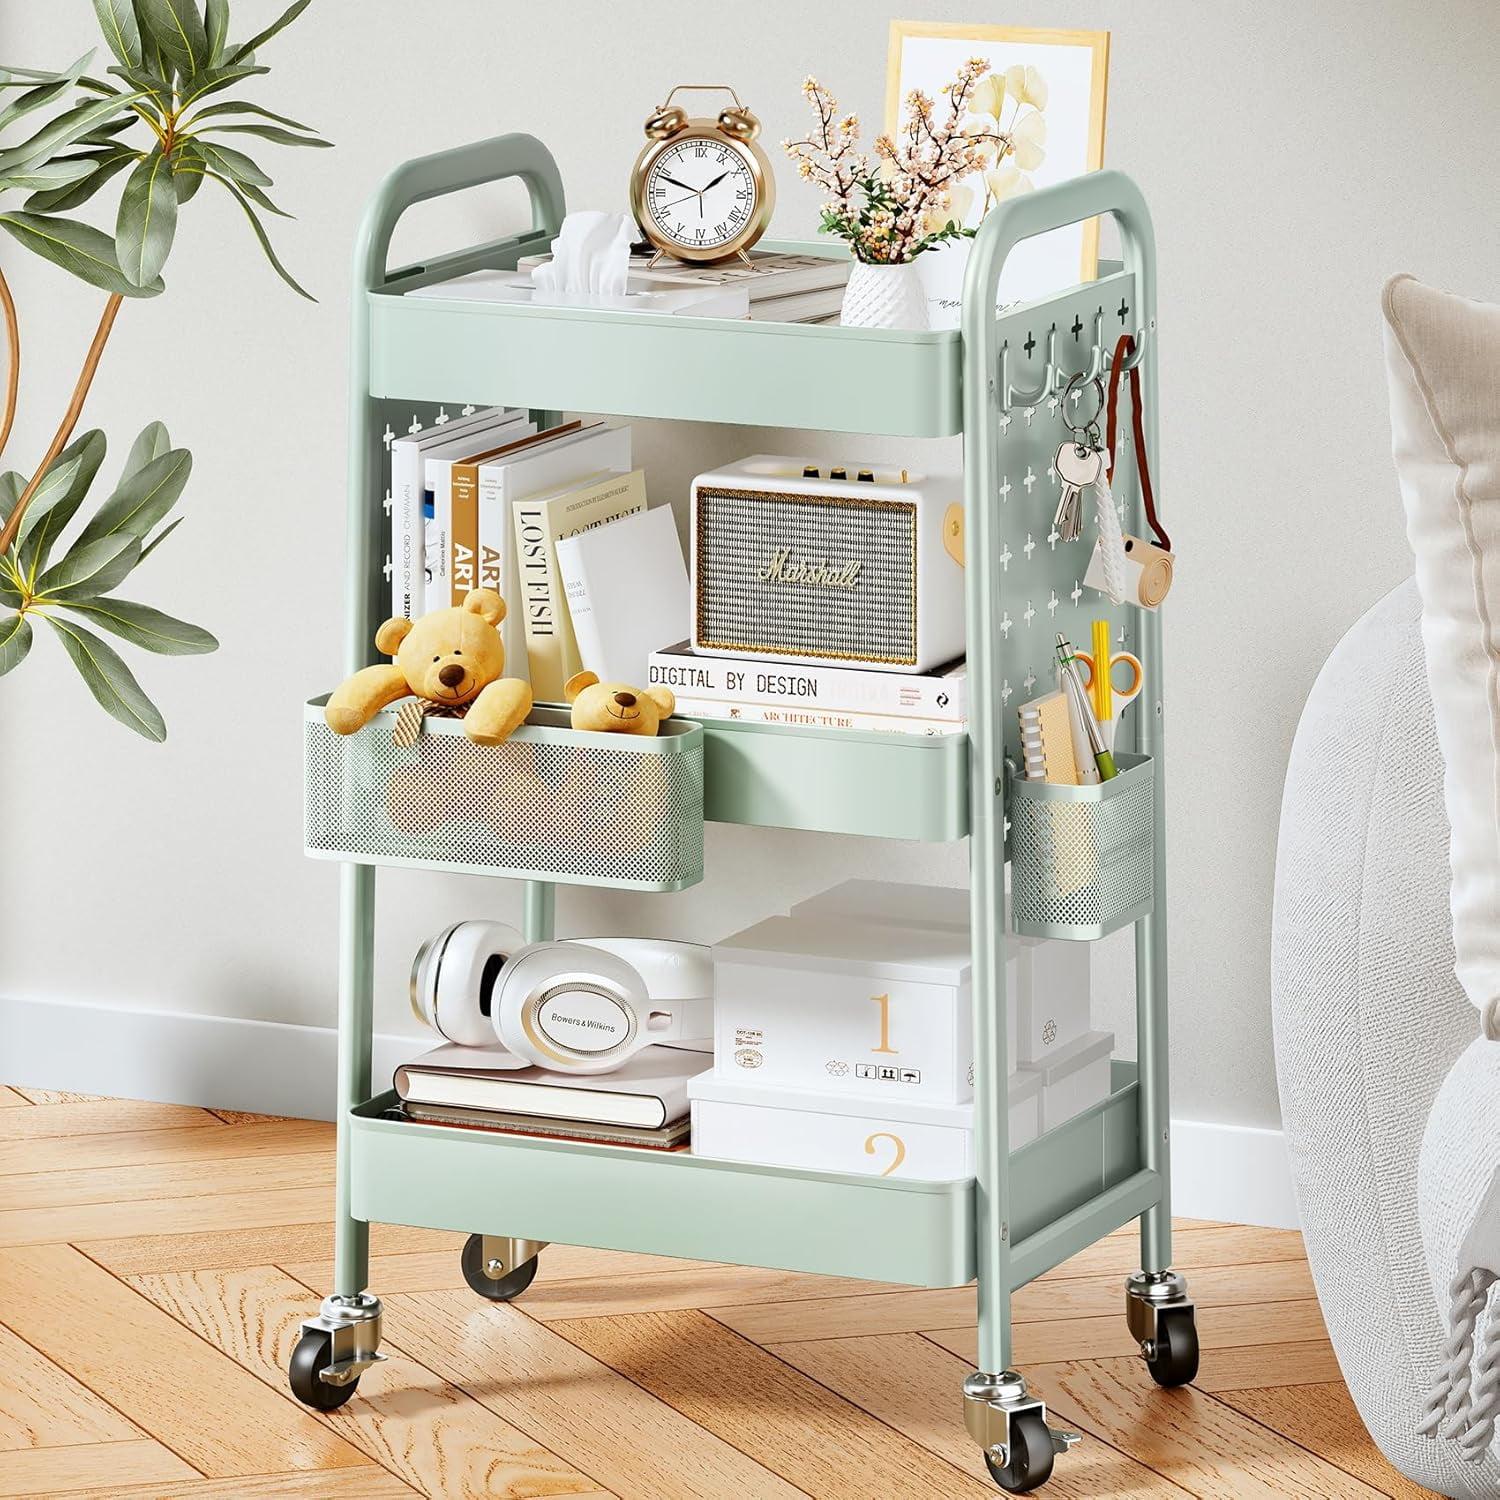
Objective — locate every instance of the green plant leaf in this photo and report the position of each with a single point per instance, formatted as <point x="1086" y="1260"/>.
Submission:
<point x="90" y="569"/>
<point x="15" y="642"/>
<point x="44" y="94"/>
<point x="40" y="528"/>
<point x="103" y="165"/>
<point x="121" y="31"/>
<point x="21" y="77"/>
<point x="104" y="135"/>
<point x="264" y="238"/>
<point x="147" y="83"/>
<point x="282" y="21"/>
<point x="159" y="538"/>
<point x="255" y="195"/>
<point x="56" y="484"/>
<point x="187" y="176"/>
<point x="80" y="249"/>
<point x="141" y="498"/>
<point x="232" y="164"/>
<point x="216" y="24"/>
<point x="215" y="79"/>
<point x="61" y="131"/>
<point x="110" y="681"/>
<point x="177" y="29"/>
<point x="151" y="442"/>
<point x="146" y="627"/>
<point x="244" y="107"/>
<point x="271" y="133"/>
<point x="147" y="219"/>
<point x="49" y="176"/>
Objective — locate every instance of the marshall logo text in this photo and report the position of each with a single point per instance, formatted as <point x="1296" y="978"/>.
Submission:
<point x="821" y="574"/>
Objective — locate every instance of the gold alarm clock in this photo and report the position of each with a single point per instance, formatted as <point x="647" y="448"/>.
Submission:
<point x="701" y="189"/>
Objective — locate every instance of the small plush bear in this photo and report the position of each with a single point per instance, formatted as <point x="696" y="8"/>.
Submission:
<point x="452" y="658"/>
<point x="615" y="707"/>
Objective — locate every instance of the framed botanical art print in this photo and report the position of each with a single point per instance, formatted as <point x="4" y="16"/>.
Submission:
<point x="1045" y="96"/>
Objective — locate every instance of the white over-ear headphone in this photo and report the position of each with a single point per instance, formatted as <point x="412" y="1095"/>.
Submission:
<point x="577" y="1006"/>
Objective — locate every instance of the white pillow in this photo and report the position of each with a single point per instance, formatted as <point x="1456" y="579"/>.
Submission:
<point x="1443" y="365"/>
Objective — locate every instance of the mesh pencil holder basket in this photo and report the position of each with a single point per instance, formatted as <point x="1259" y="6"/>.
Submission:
<point x="551" y="803"/>
<point x="1082" y="858"/>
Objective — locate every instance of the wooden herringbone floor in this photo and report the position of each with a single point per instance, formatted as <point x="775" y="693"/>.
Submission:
<point x="155" y="1262"/>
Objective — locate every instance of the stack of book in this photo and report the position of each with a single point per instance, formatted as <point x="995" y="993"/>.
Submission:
<point x="644" y="1103"/>
<point x="486" y="501"/>
<point x="783" y="287"/>
<point x="754" y="690"/>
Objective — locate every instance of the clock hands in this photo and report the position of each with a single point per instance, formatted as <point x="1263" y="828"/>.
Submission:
<point x="710" y="186"/>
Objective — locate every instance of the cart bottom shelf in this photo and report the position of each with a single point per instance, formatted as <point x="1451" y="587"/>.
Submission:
<point x="1068" y="1188"/>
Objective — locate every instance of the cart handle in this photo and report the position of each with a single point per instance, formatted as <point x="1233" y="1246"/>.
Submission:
<point x="454" y="171"/>
<point x="1056" y="207"/>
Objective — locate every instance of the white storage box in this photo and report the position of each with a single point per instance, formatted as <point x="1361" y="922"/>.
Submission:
<point x="1051" y="1001"/>
<point x="738" y="1121"/>
<point x="1075" y="1078"/>
<point x="872" y="1010"/>
<point x="1047" y="991"/>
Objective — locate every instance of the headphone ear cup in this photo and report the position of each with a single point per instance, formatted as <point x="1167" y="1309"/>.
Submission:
<point x="454" y="977"/>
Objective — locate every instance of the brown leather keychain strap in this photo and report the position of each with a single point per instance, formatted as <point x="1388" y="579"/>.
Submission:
<point x="1123" y="350"/>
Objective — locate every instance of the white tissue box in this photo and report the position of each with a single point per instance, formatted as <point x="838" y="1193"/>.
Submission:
<point x="870" y="1010"/>
<point x="739" y="1121"/>
<point x="1075" y="1078"/>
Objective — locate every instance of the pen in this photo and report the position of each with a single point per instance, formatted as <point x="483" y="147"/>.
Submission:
<point x="1102" y="757"/>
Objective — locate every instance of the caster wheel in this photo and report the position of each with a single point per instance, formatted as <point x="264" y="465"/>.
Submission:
<point x="1174" y="1357"/>
<point x="313" y="1355"/>
<point x="1030" y="1464"/>
<point x="508" y="1287"/>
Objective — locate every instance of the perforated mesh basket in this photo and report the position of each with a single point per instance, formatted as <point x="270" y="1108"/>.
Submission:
<point x="551" y="803"/>
<point x="1082" y="857"/>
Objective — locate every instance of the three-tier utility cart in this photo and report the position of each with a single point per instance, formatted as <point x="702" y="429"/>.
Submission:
<point x="1086" y="861"/>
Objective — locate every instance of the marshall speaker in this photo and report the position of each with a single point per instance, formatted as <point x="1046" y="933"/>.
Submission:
<point x="818" y="563"/>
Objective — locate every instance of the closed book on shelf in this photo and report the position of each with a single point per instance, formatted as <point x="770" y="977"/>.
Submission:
<point x="770" y="274"/>
<point x="670" y="1137"/>
<point x="743" y="680"/>
<point x="626" y="586"/>
<point x="576" y="452"/>
<point x="437" y="500"/>
<point x="813" y="718"/>
<point x="408" y="485"/>
<point x="648" y="1092"/>
<point x="540" y="521"/>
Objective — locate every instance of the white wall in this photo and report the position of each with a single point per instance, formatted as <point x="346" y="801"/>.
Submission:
<point x="1293" y="154"/>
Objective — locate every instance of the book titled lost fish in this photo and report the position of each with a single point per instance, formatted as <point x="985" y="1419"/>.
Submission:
<point x="754" y="681"/>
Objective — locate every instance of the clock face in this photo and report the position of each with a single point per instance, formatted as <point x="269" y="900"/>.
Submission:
<point x="700" y="194"/>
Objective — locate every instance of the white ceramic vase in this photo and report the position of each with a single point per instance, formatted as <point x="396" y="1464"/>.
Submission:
<point x="884" y="297"/>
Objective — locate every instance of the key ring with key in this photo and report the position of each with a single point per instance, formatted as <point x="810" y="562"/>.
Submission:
<point x="1085" y="432"/>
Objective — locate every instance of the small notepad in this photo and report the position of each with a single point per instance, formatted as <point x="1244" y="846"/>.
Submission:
<point x="1047" y="740"/>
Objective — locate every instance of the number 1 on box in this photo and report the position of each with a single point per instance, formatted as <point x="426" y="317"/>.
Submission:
<point x="884" y="1002"/>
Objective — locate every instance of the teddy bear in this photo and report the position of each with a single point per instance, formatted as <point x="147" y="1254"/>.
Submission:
<point x="615" y="707"/>
<point x="450" y="658"/>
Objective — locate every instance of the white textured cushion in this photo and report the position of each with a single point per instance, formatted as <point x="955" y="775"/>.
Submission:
<point x="1369" y="1018"/>
<point x="1443" y="366"/>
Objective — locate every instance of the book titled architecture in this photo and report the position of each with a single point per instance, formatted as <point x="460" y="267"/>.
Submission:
<point x="647" y="1092"/>
<point x="753" y="681"/>
<point x="551" y="649"/>
<point x="627" y="592"/>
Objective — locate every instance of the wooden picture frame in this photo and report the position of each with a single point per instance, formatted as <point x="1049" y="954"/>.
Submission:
<point x="925" y="54"/>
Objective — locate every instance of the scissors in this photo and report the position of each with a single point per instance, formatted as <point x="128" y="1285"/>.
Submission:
<point x="1099" y="671"/>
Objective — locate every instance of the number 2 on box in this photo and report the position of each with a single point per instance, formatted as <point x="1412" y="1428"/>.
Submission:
<point x="884" y="1002"/>
<point x="895" y="1140"/>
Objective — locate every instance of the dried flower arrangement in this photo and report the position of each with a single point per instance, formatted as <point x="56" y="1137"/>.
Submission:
<point x="914" y="197"/>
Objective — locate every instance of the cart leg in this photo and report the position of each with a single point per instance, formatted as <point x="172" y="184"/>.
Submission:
<point x="343" y="1341"/>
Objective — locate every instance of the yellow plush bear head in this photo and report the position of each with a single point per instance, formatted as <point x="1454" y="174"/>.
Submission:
<point x="454" y="657"/>
<point x="450" y="655"/>
<point x="616" y="707"/>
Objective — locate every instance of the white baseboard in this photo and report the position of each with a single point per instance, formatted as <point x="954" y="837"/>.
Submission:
<point x="1231" y="1173"/>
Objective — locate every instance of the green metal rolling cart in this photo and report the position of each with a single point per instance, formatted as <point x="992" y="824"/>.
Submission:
<point x="999" y="381"/>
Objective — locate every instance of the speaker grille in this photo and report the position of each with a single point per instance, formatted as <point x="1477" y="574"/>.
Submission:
<point x="742" y="533"/>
